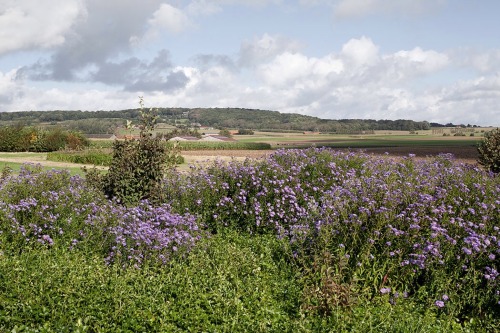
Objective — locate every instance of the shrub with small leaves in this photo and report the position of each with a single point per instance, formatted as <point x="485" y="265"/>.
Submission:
<point x="138" y="165"/>
<point x="489" y="151"/>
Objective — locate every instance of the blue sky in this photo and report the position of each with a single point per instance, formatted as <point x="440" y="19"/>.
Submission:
<point x="434" y="60"/>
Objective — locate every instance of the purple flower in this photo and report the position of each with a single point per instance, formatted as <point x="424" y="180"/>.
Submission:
<point x="385" y="290"/>
<point x="439" y="304"/>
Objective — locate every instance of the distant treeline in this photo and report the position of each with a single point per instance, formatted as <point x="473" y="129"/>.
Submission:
<point x="260" y="119"/>
<point x="236" y="118"/>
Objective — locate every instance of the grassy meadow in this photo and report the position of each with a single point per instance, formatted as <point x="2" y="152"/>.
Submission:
<point x="302" y="240"/>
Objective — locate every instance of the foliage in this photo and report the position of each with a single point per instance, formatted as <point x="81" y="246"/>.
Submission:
<point x="137" y="166"/>
<point x="103" y="121"/>
<point x="243" y="131"/>
<point x="229" y="283"/>
<point x="266" y="120"/>
<point x="226" y="133"/>
<point x="179" y="132"/>
<point x="304" y="241"/>
<point x="43" y="209"/>
<point x="489" y="151"/>
<point x="93" y="125"/>
<point x="425" y="229"/>
<point x="19" y="138"/>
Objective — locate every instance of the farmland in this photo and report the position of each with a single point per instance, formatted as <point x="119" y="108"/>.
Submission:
<point x="295" y="240"/>
<point x="396" y="143"/>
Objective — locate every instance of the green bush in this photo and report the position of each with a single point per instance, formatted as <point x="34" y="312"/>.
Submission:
<point x="489" y="151"/>
<point x="138" y="166"/>
<point x="226" y="133"/>
<point x="243" y="131"/>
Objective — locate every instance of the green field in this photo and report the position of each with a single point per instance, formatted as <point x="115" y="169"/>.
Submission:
<point x="14" y="161"/>
<point x="359" y="141"/>
<point x="423" y="141"/>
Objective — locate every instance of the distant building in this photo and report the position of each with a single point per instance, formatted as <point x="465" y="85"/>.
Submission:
<point x="184" y="138"/>
<point x="214" y="137"/>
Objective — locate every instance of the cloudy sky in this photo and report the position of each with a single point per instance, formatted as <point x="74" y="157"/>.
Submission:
<point x="435" y="60"/>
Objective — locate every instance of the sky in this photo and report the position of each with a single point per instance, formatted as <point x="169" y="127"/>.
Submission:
<point x="433" y="60"/>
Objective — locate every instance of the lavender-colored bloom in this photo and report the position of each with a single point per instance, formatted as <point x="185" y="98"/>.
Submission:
<point x="385" y="290"/>
<point x="467" y="251"/>
<point x="439" y="304"/>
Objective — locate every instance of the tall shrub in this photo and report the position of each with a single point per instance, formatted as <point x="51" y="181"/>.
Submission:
<point x="489" y="151"/>
<point x="138" y="165"/>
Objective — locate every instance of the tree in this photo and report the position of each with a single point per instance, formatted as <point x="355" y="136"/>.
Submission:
<point x="243" y="131"/>
<point x="226" y="133"/>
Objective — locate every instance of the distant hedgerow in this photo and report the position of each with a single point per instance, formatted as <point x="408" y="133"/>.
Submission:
<point x="20" y="138"/>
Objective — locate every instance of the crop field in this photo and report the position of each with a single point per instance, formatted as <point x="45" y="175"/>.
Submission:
<point x="308" y="240"/>
<point x="382" y="139"/>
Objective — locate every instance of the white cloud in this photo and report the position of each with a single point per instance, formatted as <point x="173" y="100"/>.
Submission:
<point x="26" y="24"/>
<point x="210" y="7"/>
<point x="414" y="63"/>
<point x="169" y="18"/>
<point x="361" y="51"/>
<point x="484" y="62"/>
<point x="358" y="8"/>
<point x="291" y="69"/>
<point x="90" y="40"/>
<point x="8" y="87"/>
<point x="265" y="48"/>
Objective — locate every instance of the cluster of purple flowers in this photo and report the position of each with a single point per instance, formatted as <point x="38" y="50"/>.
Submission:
<point x="38" y="207"/>
<point x="150" y="233"/>
<point x="54" y="209"/>
<point x="415" y="219"/>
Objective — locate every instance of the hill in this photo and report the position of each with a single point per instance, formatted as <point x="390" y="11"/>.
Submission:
<point x="235" y="118"/>
<point x="274" y="120"/>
